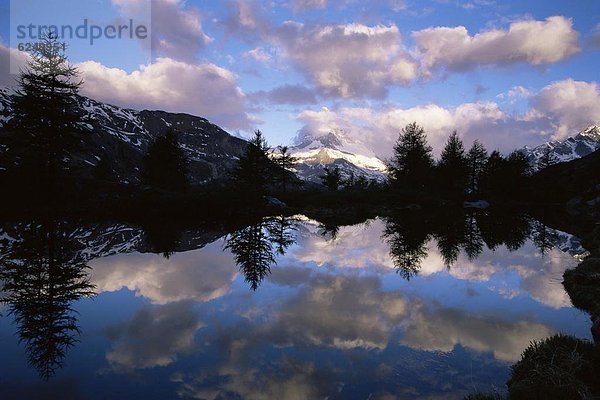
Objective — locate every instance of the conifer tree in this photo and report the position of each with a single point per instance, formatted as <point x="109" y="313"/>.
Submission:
<point x="165" y="164"/>
<point x="254" y="168"/>
<point x="332" y="178"/>
<point x="45" y="120"/>
<point x="476" y="160"/>
<point x="286" y="163"/>
<point x="412" y="161"/>
<point x="452" y="168"/>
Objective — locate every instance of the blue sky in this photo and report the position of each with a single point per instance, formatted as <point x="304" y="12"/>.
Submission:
<point x="508" y="73"/>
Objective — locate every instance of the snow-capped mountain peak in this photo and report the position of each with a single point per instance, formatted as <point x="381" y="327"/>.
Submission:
<point x="336" y="149"/>
<point x="580" y="145"/>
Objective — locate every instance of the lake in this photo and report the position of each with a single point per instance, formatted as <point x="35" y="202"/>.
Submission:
<point x="402" y="307"/>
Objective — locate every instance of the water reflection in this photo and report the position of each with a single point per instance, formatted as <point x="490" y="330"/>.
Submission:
<point x="324" y="297"/>
<point x="41" y="279"/>
<point x="255" y="246"/>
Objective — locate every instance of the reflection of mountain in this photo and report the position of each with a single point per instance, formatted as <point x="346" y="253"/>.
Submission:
<point x="105" y="239"/>
<point x="40" y="281"/>
<point x="336" y="150"/>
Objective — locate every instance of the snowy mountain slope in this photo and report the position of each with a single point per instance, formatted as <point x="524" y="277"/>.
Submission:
<point x="91" y="241"/>
<point x="335" y="149"/>
<point x="123" y="135"/>
<point x="580" y="145"/>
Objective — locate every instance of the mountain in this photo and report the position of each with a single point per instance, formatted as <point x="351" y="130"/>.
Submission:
<point x="576" y="183"/>
<point x="122" y="136"/>
<point x="580" y="145"/>
<point x="335" y="149"/>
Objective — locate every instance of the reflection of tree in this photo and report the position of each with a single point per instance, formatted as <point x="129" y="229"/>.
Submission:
<point x="450" y="233"/>
<point x="473" y="243"/>
<point x="406" y="238"/>
<point x="41" y="281"/>
<point x="543" y="237"/>
<point x="329" y="231"/>
<point x="254" y="246"/>
<point x="504" y="227"/>
<point x="162" y="237"/>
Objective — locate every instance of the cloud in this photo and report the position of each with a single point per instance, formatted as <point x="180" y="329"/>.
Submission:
<point x="17" y="58"/>
<point x="302" y="5"/>
<point x="594" y="38"/>
<point x="514" y="93"/>
<point x="200" y="275"/>
<point x="247" y="20"/>
<point x="286" y="94"/>
<point x="258" y="54"/>
<point x="441" y="329"/>
<point x="204" y="89"/>
<point x="176" y="30"/>
<point x="559" y="110"/>
<point x="353" y="312"/>
<point x="154" y="337"/>
<point x="348" y="61"/>
<point x="532" y="42"/>
<point x="568" y="106"/>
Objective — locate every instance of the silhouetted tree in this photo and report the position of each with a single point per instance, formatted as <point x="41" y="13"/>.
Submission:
<point x="412" y="162"/>
<point x="332" y="178"/>
<point x="45" y="119"/>
<point x="286" y="163"/>
<point x="165" y="165"/>
<point x="450" y="235"/>
<point x="492" y="174"/>
<point x="452" y="167"/>
<point x="41" y="279"/>
<point x="476" y="161"/>
<point x="254" y="168"/>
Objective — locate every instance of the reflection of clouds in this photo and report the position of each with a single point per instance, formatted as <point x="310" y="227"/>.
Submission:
<point x="302" y="348"/>
<point x="285" y="379"/>
<point x="153" y="337"/>
<point x="356" y="246"/>
<point x="199" y="275"/>
<point x="361" y="246"/>
<point x="340" y="311"/>
<point x="441" y="329"/>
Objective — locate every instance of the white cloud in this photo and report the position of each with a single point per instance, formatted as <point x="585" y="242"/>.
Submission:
<point x="154" y="337"/>
<point x="568" y="106"/>
<point x="348" y="61"/>
<point x="441" y="329"/>
<point x="258" y="54"/>
<point x="200" y="89"/>
<point x="533" y="42"/>
<point x="200" y="275"/>
<point x="176" y="30"/>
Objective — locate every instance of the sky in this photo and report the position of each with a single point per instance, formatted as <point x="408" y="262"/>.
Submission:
<point x="508" y="73"/>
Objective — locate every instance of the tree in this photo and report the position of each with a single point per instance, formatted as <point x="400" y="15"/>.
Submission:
<point x="286" y="163"/>
<point x="254" y="167"/>
<point x="452" y="168"/>
<point x="332" y="178"/>
<point x="476" y="160"/>
<point x="41" y="279"/>
<point x="165" y="164"/>
<point x="412" y="161"/>
<point x="45" y="118"/>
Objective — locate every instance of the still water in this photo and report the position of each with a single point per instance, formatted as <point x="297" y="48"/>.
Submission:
<point x="286" y="308"/>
